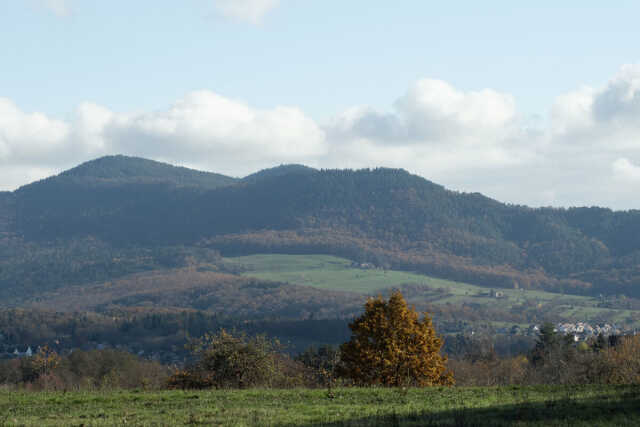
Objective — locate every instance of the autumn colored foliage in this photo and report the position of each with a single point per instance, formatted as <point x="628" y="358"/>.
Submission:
<point x="391" y="346"/>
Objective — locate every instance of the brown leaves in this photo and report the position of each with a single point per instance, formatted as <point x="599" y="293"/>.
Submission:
<point x="391" y="346"/>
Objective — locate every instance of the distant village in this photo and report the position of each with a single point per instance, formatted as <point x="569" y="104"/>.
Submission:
<point x="581" y="331"/>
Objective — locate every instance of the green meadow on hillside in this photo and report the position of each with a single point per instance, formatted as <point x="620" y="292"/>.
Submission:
<point x="505" y="406"/>
<point x="333" y="273"/>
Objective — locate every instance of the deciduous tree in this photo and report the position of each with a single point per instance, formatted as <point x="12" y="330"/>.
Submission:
<point x="391" y="346"/>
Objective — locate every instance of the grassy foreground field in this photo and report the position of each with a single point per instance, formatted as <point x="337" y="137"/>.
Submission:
<point x="329" y="272"/>
<point x="506" y="406"/>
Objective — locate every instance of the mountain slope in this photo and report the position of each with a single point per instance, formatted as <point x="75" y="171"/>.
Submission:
<point x="279" y="171"/>
<point x="384" y="216"/>
<point x="7" y="211"/>
<point x="120" y="170"/>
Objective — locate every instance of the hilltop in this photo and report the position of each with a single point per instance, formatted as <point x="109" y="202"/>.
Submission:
<point x="387" y="217"/>
<point x="121" y="170"/>
<point x="281" y="170"/>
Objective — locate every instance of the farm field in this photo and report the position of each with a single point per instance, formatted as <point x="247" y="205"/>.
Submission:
<point x="329" y="272"/>
<point x="506" y="406"/>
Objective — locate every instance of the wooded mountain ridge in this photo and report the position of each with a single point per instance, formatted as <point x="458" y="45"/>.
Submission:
<point x="121" y="206"/>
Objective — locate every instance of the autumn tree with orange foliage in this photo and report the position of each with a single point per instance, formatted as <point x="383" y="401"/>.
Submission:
<point x="391" y="346"/>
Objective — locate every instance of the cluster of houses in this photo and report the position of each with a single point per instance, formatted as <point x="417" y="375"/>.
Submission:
<point x="27" y="353"/>
<point x="7" y="354"/>
<point x="582" y="331"/>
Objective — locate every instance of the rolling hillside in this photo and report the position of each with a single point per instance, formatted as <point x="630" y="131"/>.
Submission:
<point x="435" y="295"/>
<point x="131" y="209"/>
<point x="123" y="170"/>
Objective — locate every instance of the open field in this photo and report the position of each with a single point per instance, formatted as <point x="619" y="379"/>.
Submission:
<point x="329" y="272"/>
<point x="506" y="406"/>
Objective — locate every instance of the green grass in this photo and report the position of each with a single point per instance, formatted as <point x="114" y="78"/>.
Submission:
<point x="329" y="272"/>
<point x="506" y="406"/>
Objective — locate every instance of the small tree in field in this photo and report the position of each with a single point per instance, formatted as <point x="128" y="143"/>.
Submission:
<point x="391" y="346"/>
<point x="224" y="360"/>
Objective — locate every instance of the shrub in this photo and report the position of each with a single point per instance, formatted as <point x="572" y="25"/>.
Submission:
<point x="622" y="362"/>
<point x="227" y="361"/>
<point x="490" y="372"/>
<point x="321" y="363"/>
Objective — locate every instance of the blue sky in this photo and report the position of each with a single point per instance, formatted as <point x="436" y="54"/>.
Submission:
<point x="530" y="104"/>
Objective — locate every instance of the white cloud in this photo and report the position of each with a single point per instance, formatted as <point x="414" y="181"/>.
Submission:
<point x="31" y="137"/>
<point x="620" y="99"/>
<point x="477" y="141"/>
<point x="211" y="130"/>
<point x="573" y="111"/>
<point x="611" y="112"/>
<point x="58" y="7"/>
<point x="586" y="153"/>
<point x="433" y="109"/>
<point x="366" y="122"/>
<point x="624" y="170"/>
<point x="251" y="11"/>
<point x="203" y="129"/>
<point x="434" y="129"/>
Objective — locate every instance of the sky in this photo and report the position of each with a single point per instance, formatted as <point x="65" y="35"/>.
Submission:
<point x="533" y="104"/>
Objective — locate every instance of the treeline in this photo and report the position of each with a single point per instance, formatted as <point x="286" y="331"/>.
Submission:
<point x="162" y="334"/>
<point x="554" y="359"/>
<point x="83" y="370"/>
<point x="155" y="311"/>
<point x="241" y="360"/>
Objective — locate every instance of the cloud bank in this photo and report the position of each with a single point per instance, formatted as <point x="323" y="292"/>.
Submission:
<point x="586" y="153"/>
<point x="60" y="8"/>
<point x="251" y="11"/>
<point x="203" y="129"/>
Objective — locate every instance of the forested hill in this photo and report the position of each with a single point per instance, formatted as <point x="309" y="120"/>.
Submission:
<point x="279" y="171"/>
<point x="385" y="216"/>
<point x="6" y="211"/>
<point x="124" y="170"/>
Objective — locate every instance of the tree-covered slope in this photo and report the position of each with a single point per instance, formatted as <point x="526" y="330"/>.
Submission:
<point x="7" y="211"/>
<point x="279" y="171"/>
<point x="387" y="216"/>
<point x="125" y="170"/>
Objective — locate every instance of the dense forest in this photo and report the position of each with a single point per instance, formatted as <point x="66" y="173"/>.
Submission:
<point x="147" y="215"/>
<point x="158" y="334"/>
